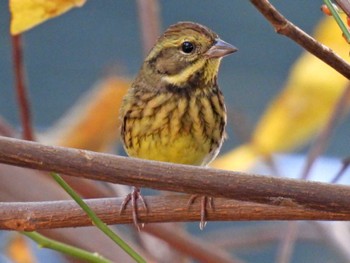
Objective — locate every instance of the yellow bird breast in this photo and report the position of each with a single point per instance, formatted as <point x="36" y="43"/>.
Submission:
<point x="186" y="131"/>
<point x="183" y="149"/>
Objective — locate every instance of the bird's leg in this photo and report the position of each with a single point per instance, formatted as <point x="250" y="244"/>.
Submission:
<point x="206" y="201"/>
<point x="133" y="196"/>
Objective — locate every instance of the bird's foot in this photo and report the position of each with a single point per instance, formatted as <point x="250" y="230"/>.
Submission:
<point x="132" y="197"/>
<point x="206" y="202"/>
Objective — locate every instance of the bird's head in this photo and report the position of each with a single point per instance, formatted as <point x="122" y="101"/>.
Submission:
<point x="186" y="49"/>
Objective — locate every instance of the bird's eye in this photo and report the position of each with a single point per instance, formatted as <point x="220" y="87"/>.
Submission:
<point x="187" y="47"/>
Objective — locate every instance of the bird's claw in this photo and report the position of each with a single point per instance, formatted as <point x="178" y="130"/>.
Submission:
<point x="205" y="201"/>
<point x="133" y="196"/>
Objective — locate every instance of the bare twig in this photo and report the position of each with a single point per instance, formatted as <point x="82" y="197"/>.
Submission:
<point x="21" y="90"/>
<point x="340" y="173"/>
<point x="176" y="177"/>
<point x="286" y="249"/>
<point x="286" y="28"/>
<point x="149" y="22"/>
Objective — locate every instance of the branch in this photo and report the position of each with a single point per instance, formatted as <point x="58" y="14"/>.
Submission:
<point x="175" y="177"/>
<point x="287" y="243"/>
<point x="184" y="243"/>
<point x="288" y="29"/>
<point x="29" y="216"/>
<point x="21" y="91"/>
<point x="149" y="18"/>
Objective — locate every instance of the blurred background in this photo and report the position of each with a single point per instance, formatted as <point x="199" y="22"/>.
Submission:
<point x="66" y="56"/>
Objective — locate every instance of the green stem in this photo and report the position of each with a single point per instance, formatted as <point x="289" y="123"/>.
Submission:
<point x="338" y="19"/>
<point x="97" y="221"/>
<point x="64" y="248"/>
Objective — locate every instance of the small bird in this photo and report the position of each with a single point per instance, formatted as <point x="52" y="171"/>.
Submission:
<point x="174" y="111"/>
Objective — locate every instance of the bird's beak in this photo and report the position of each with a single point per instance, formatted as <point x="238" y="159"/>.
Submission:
<point x="220" y="49"/>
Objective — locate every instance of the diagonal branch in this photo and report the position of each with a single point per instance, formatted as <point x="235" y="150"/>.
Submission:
<point x="288" y="29"/>
<point x="175" y="177"/>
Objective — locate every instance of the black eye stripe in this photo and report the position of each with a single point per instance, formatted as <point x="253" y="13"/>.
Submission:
<point x="187" y="47"/>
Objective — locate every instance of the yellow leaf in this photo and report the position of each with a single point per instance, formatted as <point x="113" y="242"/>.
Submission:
<point x="93" y="122"/>
<point x="311" y="92"/>
<point x="28" y="13"/>
<point x="239" y="159"/>
<point x="18" y="250"/>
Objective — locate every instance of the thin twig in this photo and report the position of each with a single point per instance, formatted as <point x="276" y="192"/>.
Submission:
<point x="21" y="90"/>
<point x="149" y="22"/>
<point x="340" y="173"/>
<point x="286" y="249"/>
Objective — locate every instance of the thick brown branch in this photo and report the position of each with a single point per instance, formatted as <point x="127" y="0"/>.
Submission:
<point x="286" y="28"/>
<point x="80" y="237"/>
<point x="173" y="208"/>
<point x="175" y="177"/>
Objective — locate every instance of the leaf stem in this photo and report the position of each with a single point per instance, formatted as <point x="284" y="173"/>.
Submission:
<point x="96" y="220"/>
<point x="45" y="242"/>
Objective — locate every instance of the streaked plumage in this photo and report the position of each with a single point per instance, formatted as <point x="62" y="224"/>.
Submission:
<point x="174" y="111"/>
